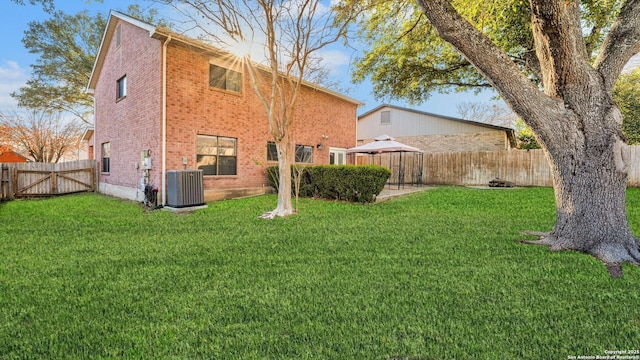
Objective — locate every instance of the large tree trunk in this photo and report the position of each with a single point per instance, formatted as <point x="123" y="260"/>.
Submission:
<point x="590" y="187"/>
<point x="574" y="118"/>
<point x="585" y="150"/>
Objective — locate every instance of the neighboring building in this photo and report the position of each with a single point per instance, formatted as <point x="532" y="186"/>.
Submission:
<point x="86" y="146"/>
<point x="432" y="133"/>
<point x="167" y="102"/>
<point x="10" y="156"/>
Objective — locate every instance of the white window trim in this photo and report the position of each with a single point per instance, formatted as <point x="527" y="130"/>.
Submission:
<point x="337" y="150"/>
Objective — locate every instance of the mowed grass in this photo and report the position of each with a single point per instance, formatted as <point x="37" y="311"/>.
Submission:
<point x="434" y="275"/>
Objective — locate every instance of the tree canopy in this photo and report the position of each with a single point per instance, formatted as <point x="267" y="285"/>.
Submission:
<point x="66" y="46"/>
<point x="47" y="5"/>
<point x="555" y="63"/>
<point x="627" y="95"/>
<point x="406" y="59"/>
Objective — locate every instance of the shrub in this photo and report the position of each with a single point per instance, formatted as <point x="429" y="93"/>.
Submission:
<point x="340" y="182"/>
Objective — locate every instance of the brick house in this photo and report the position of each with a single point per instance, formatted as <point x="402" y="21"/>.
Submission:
<point x="165" y="102"/>
<point x="10" y="156"/>
<point x="432" y="133"/>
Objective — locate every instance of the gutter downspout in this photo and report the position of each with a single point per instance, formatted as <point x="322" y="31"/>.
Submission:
<point x="96" y="168"/>
<point x="164" y="120"/>
<point x="93" y="156"/>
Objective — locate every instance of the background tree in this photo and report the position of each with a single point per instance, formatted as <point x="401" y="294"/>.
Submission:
<point x="526" y="139"/>
<point x="291" y="33"/>
<point x="626" y="93"/>
<point x="4" y="135"/>
<point x="47" y="5"/>
<point x="536" y="55"/>
<point x="42" y="136"/>
<point x="493" y="114"/>
<point x="66" y="46"/>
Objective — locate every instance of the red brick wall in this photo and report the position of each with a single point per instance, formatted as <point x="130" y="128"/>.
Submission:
<point x="133" y="123"/>
<point x="193" y="107"/>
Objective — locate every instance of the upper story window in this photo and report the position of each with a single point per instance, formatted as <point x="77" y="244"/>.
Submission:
<point x="223" y="78"/>
<point x="385" y="117"/>
<point x="121" y="88"/>
<point x="216" y="155"/>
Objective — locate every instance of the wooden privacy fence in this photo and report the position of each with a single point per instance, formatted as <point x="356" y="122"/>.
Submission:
<point x="522" y="167"/>
<point x="19" y="180"/>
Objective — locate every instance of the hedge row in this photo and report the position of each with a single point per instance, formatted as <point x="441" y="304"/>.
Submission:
<point x="343" y="182"/>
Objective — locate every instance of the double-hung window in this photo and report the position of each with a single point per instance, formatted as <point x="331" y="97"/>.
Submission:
<point x="304" y="154"/>
<point x="272" y="151"/>
<point x="121" y="88"/>
<point x="217" y="155"/>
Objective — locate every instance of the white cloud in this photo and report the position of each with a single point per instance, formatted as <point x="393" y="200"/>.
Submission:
<point x="334" y="58"/>
<point x="12" y="77"/>
<point x="336" y="62"/>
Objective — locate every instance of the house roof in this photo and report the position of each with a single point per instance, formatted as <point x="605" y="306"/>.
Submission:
<point x="162" y="34"/>
<point x="87" y="134"/>
<point x="490" y="126"/>
<point x="11" y="156"/>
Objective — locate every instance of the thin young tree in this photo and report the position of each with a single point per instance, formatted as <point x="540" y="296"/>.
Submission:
<point x="555" y="63"/>
<point x="291" y="33"/>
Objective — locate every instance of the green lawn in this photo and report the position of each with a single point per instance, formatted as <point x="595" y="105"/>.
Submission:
<point x="434" y="275"/>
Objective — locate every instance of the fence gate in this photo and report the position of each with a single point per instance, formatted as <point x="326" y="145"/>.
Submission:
<point x="44" y="179"/>
<point x="39" y="182"/>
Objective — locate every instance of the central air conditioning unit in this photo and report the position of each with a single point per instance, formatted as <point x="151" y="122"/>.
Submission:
<point x="184" y="188"/>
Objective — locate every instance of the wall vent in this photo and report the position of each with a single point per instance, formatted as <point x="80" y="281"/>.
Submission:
<point x="184" y="188"/>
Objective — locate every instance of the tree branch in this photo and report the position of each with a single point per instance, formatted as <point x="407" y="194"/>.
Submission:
<point x="622" y="42"/>
<point x="559" y="44"/>
<point x="492" y="62"/>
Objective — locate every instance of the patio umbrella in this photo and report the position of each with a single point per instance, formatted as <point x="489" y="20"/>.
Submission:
<point x="384" y="143"/>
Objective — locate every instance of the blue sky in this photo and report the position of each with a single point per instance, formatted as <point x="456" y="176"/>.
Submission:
<point x="15" y="60"/>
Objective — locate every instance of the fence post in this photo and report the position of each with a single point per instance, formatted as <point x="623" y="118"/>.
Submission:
<point x="54" y="182"/>
<point x="4" y="182"/>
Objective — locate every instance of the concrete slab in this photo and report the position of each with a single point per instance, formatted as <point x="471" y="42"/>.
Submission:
<point x="393" y="192"/>
<point x="184" y="209"/>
